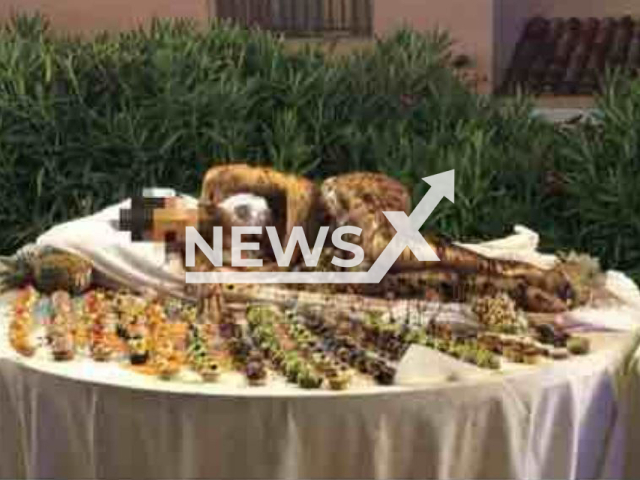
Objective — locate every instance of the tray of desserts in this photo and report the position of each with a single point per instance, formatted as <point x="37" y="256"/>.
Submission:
<point x="264" y="344"/>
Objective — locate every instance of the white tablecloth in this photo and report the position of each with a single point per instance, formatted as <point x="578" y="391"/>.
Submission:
<point x="628" y="432"/>
<point x="83" y="421"/>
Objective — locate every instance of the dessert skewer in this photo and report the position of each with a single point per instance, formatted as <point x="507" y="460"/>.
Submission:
<point x="22" y="323"/>
<point x="62" y="327"/>
<point x="244" y="355"/>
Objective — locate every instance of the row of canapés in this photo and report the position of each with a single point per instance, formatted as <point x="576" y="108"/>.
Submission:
<point x="308" y="347"/>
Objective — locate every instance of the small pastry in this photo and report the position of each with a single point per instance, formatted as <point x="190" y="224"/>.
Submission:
<point x="138" y="329"/>
<point x="385" y="374"/>
<point x="19" y="340"/>
<point x="256" y="373"/>
<point x="457" y="351"/>
<point x="99" y="346"/>
<point x="138" y="350"/>
<point x="416" y="336"/>
<point x="363" y="363"/>
<point x="530" y="356"/>
<point x="241" y="349"/>
<point x="277" y="357"/>
<point x="20" y="325"/>
<point x="559" y="353"/>
<point x="487" y="359"/>
<point x="121" y="331"/>
<point x="62" y="345"/>
<point x="339" y="380"/>
<point x="255" y="356"/>
<point x="322" y="362"/>
<point x="578" y="345"/>
<point x="167" y="369"/>
<point x="210" y="372"/>
<point x="343" y="354"/>
<point x="61" y="301"/>
<point x="513" y="354"/>
<point x="309" y="380"/>
<point x="429" y="341"/>
<point x="101" y="351"/>
<point x="292" y="369"/>
<point x="551" y="334"/>
<point x="470" y="355"/>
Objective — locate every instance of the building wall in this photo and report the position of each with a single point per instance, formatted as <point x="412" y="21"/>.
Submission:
<point x="585" y="8"/>
<point x="470" y="23"/>
<point x="486" y="30"/>
<point x="87" y="16"/>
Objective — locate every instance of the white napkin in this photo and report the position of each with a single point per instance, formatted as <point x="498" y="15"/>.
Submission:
<point x="522" y="246"/>
<point x="421" y="365"/>
<point x="621" y="319"/>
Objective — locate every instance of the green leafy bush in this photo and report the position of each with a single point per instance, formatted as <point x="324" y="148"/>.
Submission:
<point x="84" y="123"/>
<point x="600" y="164"/>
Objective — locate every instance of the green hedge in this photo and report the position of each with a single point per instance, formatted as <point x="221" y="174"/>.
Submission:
<point x="85" y="123"/>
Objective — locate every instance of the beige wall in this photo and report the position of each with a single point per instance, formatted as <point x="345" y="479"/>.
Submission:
<point x="470" y="23"/>
<point x="85" y="16"/>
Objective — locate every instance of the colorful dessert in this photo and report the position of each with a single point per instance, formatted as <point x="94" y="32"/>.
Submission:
<point x="578" y="345"/>
<point x="310" y="347"/>
<point x="21" y="323"/>
<point x="138" y="350"/>
<point x="62" y="345"/>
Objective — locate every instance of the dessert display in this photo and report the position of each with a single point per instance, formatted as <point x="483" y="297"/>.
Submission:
<point x="300" y="344"/>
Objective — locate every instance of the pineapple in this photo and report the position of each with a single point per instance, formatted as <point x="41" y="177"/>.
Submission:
<point x="47" y="268"/>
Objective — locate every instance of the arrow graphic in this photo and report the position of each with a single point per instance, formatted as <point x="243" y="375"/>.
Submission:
<point x="442" y="185"/>
<point x="408" y="235"/>
<point x="408" y="228"/>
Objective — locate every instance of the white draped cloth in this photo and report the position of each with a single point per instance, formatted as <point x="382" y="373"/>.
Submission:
<point x="552" y="421"/>
<point x="80" y="419"/>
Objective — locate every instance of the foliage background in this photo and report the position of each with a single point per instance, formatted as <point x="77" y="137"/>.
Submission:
<point x="84" y="123"/>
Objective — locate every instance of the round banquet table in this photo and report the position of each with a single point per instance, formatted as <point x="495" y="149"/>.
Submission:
<point x="87" y="420"/>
